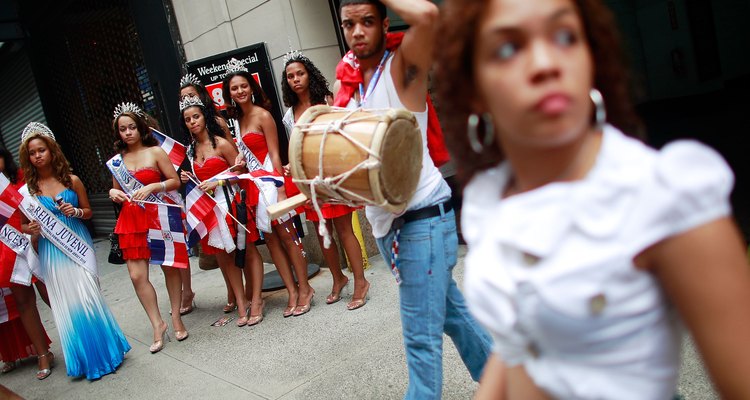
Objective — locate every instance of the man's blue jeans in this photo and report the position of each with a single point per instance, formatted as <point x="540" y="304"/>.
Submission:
<point x="432" y="304"/>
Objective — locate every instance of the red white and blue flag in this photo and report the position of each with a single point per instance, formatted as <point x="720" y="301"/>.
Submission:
<point x="258" y="176"/>
<point x="174" y="149"/>
<point x="166" y="236"/>
<point x="203" y="214"/>
<point x="9" y="200"/>
<point x="25" y="262"/>
<point x="262" y="192"/>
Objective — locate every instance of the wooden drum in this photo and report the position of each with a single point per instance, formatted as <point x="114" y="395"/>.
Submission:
<point x="357" y="157"/>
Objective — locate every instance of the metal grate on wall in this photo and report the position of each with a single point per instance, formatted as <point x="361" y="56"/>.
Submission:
<point x="19" y="99"/>
<point x="92" y="61"/>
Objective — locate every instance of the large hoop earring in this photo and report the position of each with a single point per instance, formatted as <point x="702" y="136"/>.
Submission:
<point x="600" y="112"/>
<point x="233" y="103"/>
<point x="472" y="131"/>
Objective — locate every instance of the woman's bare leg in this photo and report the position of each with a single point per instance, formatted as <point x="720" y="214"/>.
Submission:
<point x="26" y="303"/>
<point x="138" y="270"/>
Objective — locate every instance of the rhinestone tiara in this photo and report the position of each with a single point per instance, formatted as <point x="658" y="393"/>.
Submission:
<point x="190" y="78"/>
<point x="294" y="55"/>
<point x="235" y="65"/>
<point x="189" y="101"/>
<point x="36" y="128"/>
<point x="127" y="106"/>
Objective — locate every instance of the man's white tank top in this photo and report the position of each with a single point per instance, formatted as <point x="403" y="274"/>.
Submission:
<point x="431" y="188"/>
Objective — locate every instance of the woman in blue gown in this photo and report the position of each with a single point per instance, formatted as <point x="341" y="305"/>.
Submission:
<point x="91" y="339"/>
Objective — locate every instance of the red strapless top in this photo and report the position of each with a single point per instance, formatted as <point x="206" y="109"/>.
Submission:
<point x="147" y="175"/>
<point x="212" y="166"/>
<point x="132" y="224"/>
<point x="256" y="142"/>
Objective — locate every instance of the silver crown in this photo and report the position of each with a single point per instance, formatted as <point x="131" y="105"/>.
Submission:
<point x="127" y="106"/>
<point x="190" y="78"/>
<point x="189" y="101"/>
<point x="294" y="55"/>
<point x="34" y="129"/>
<point x="234" y="65"/>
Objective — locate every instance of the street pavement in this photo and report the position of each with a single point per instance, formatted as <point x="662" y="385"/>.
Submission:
<point x="329" y="353"/>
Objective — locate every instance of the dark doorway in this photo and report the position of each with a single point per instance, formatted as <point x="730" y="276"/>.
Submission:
<point x="88" y="56"/>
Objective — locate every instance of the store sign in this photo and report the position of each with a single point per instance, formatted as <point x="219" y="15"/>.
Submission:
<point x="212" y="70"/>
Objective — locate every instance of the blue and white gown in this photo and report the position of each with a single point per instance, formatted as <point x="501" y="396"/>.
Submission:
<point x="91" y="339"/>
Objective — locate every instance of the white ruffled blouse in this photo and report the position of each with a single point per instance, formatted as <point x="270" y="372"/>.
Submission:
<point x="550" y="272"/>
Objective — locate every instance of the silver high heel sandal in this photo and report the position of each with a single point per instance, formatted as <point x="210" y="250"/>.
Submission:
<point x="158" y="345"/>
<point x="44" y="373"/>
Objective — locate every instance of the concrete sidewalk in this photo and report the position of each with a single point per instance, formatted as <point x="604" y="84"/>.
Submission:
<point x="330" y="353"/>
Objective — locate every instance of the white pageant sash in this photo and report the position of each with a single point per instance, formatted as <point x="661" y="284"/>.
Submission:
<point x="27" y="263"/>
<point x="252" y="162"/>
<point x="130" y="185"/>
<point x="59" y="234"/>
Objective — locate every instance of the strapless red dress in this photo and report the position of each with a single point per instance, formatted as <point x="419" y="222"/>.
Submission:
<point x="212" y="166"/>
<point x="132" y="225"/>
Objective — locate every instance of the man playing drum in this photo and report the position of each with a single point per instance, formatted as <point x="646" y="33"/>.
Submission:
<point x="390" y="71"/>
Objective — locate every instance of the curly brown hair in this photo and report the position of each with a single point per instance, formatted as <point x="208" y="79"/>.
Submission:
<point x="60" y="166"/>
<point x="259" y="96"/>
<point x="141" y="124"/>
<point x="458" y="27"/>
<point x="317" y="84"/>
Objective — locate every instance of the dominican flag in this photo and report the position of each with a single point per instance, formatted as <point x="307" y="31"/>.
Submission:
<point x="9" y="199"/>
<point x="24" y="259"/>
<point x="166" y="236"/>
<point x="174" y="149"/>
<point x="261" y="194"/>
<point x="258" y="176"/>
<point x="206" y="217"/>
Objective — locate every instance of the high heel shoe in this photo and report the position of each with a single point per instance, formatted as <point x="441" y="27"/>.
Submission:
<point x="44" y="373"/>
<point x="181" y="335"/>
<point x="242" y="321"/>
<point x="229" y="308"/>
<point x="256" y="319"/>
<point x="334" y="297"/>
<point x="289" y="311"/>
<point x="359" y="303"/>
<point x="158" y="345"/>
<point x="187" y="310"/>
<point x="304" y="309"/>
<point x="8" y="366"/>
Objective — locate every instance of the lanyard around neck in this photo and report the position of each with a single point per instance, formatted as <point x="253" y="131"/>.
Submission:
<point x="374" y="80"/>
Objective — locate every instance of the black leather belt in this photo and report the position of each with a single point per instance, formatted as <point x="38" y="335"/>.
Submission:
<point x="422" y="213"/>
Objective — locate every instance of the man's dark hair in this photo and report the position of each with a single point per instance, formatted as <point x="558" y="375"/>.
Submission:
<point x="380" y="6"/>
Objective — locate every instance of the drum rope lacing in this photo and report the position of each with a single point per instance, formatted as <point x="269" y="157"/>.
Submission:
<point x="333" y="183"/>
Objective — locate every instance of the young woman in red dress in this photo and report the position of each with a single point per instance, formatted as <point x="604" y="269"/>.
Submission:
<point x="210" y="154"/>
<point x="247" y="102"/>
<point x="303" y="85"/>
<point x="150" y="165"/>
<point x="190" y="85"/>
